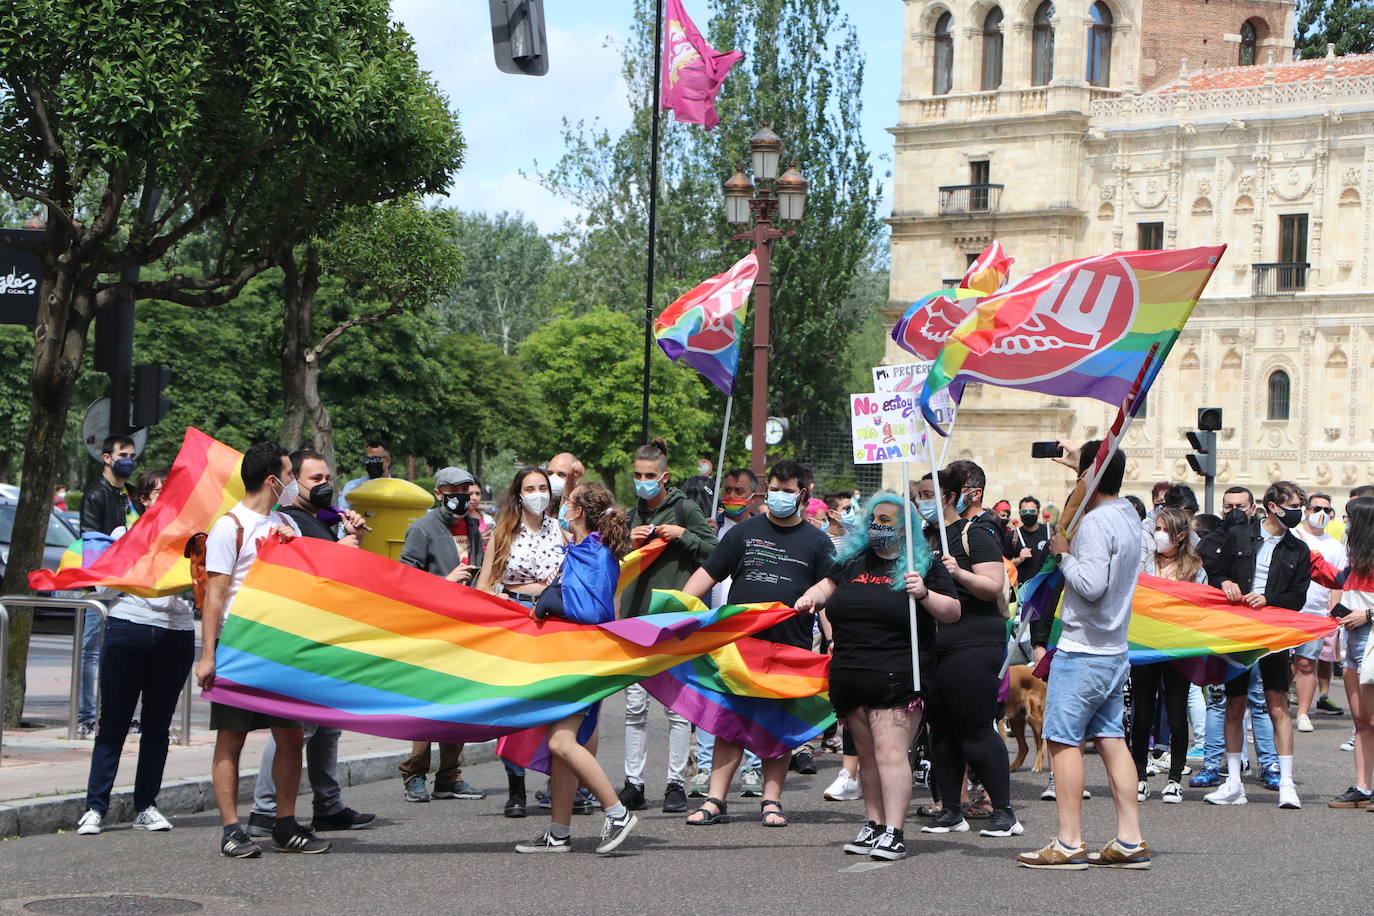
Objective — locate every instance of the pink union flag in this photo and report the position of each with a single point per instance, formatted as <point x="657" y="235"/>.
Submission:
<point x="692" y="70"/>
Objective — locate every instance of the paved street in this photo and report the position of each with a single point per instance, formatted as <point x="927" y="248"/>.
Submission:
<point x="455" y="856"/>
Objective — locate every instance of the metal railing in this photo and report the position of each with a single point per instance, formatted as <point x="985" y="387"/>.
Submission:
<point x="4" y="652"/>
<point x="1281" y="278"/>
<point x="970" y="198"/>
<point x="79" y="607"/>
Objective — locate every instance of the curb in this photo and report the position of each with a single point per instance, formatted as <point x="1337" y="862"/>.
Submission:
<point x="35" y="816"/>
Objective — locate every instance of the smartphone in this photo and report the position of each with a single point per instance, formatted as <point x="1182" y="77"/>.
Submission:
<point x="1046" y="450"/>
<point x="1339" y="611"/>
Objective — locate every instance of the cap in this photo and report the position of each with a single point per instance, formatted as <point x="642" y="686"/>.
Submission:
<point x="448" y="477"/>
<point x="1001" y="504"/>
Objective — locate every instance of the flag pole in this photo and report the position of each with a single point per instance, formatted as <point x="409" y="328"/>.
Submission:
<point x="939" y="500"/>
<point x="949" y="434"/>
<point x="720" y="459"/>
<point x="907" y="506"/>
<point x="653" y="213"/>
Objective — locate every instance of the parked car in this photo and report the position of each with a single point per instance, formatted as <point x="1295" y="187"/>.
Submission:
<point x="60" y="536"/>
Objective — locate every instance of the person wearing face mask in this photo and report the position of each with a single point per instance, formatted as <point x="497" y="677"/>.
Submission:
<point x="565" y="473"/>
<point x="376" y="464"/>
<point x="839" y="517"/>
<point x="104" y="507"/>
<point x="661" y="512"/>
<point x="1264" y="564"/>
<point x="865" y="606"/>
<point x="308" y="500"/>
<point x="1027" y="544"/>
<point x="775" y="556"/>
<point x="446" y="541"/>
<point x="1307" y="658"/>
<point x="1173" y="557"/>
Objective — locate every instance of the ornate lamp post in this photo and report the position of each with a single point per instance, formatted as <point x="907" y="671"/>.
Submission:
<point x="784" y="198"/>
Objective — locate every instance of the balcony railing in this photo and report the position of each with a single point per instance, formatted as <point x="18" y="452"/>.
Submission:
<point x="970" y="198"/>
<point x="1282" y="278"/>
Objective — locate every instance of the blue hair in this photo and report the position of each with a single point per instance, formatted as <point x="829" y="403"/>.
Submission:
<point x="857" y="541"/>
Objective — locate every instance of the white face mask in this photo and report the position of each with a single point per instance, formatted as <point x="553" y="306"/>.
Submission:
<point x="535" y="502"/>
<point x="1163" y="543"/>
<point x="289" y="494"/>
<point x="556" y="485"/>
<point x="1319" y="520"/>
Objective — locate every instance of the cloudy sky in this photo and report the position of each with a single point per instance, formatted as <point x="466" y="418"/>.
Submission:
<point x="512" y="122"/>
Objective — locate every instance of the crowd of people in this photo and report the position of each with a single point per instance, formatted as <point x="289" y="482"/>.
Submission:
<point x="847" y="568"/>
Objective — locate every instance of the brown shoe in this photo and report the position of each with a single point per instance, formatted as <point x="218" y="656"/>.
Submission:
<point x="1114" y="855"/>
<point x="1055" y="855"/>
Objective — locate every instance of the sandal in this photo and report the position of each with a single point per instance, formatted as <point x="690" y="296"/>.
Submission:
<point x="719" y="816"/>
<point x="930" y="810"/>
<point x="766" y="814"/>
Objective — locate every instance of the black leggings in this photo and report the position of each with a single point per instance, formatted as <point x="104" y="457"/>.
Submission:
<point x="962" y="706"/>
<point x="1145" y="683"/>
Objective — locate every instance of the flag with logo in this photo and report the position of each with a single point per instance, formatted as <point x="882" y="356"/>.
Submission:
<point x="693" y="71"/>
<point x="702" y="327"/>
<point x="928" y="322"/>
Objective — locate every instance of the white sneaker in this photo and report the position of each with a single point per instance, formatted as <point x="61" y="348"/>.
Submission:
<point x="1350" y="742"/>
<point x="1230" y="793"/>
<point x="1049" y="793"/>
<point x="1142" y="790"/>
<point x="151" y="819"/>
<point x="89" y="825"/>
<point x="1172" y="794"/>
<point x="1305" y="723"/>
<point x="1288" y="796"/>
<point x="844" y="788"/>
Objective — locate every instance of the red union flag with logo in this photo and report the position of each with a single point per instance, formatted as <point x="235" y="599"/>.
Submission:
<point x="930" y="320"/>
<point x="1083" y="328"/>
<point x="692" y="70"/>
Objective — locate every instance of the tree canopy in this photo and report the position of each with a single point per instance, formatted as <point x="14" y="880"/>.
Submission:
<point x="1347" y="24"/>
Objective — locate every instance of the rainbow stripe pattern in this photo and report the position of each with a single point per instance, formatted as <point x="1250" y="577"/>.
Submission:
<point x="927" y="323"/>
<point x="149" y="559"/>
<point x="634" y="563"/>
<point x="331" y="634"/>
<point x="702" y="326"/>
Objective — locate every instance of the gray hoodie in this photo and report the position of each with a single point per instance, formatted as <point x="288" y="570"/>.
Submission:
<point x="1100" y="573"/>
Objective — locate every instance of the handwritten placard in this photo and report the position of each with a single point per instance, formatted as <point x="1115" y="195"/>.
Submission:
<point x="887" y="426"/>
<point x="911" y="377"/>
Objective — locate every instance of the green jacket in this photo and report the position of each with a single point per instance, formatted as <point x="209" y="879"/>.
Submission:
<point x="679" y="560"/>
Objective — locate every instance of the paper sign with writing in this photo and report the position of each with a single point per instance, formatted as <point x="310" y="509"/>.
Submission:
<point x="887" y="426"/>
<point x="911" y="377"/>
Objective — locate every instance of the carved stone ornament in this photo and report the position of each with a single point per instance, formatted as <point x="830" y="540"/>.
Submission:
<point x="1132" y="469"/>
<point x="1204" y="188"/>
<point x="1275" y="471"/>
<point x="1332" y="433"/>
<point x="1278" y="337"/>
<point x="1349" y="474"/>
<point x="1323" y="474"/>
<point x="1108" y="191"/>
<point x="1350" y="178"/>
<point x="1246" y="183"/>
<point x="1224" y="472"/>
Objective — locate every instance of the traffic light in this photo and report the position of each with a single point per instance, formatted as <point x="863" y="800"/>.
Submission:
<point x="149" y="404"/>
<point x="1203" y="460"/>
<point x="517" y="36"/>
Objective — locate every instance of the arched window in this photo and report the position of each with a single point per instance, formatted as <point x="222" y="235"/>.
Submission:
<point x="944" y="54"/>
<point x="1247" y="45"/>
<point x="1278" y="395"/>
<point x="1100" y="46"/>
<point x="992" y="49"/>
<point x="1042" y="45"/>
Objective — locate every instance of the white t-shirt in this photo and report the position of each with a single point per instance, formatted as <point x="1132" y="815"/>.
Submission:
<point x="1319" y="596"/>
<point x="1263" y="557"/>
<point x="219" y="545"/>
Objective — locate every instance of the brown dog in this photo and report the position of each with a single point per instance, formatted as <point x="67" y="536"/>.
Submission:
<point x="1025" y="704"/>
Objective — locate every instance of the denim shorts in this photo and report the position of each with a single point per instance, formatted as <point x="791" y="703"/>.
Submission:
<point x="1355" y="641"/>
<point x="1085" y="697"/>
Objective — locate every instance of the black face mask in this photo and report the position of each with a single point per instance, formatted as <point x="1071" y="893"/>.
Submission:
<point x="457" y="503"/>
<point x="1234" y="517"/>
<point x="1290" y="518"/>
<point x="1028" y="519"/>
<point x="322" y="495"/>
<point x="373" y="467"/>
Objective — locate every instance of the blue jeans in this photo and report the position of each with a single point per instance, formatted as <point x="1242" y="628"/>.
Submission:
<point x="139" y="660"/>
<point x="1214" y="749"/>
<point x="91" y="638"/>
<point x="1085" y="697"/>
<point x="706" y="749"/>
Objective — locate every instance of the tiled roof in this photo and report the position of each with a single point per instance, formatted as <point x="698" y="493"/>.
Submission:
<point x="1288" y="72"/>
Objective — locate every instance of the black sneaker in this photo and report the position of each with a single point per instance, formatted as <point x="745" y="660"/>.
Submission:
<point x="1350" y="798"/>
<point x="237" y="846"/>
<point x="299" y="840"/>
<point x="632" y="797"/>
<point x="347" y="819"/>
<point x="260" y="825"/>
<point x="545" y="842"/>
<point x="890" y="846"/>
<point x="614" y="832"/>
<point x="1325" y="705"/>
<point x="1002" y="823"/>
<point x="950" y="820"/>
<point x="675" y="799"/>
<point x="585" y="802"/>
<point x="804" y="762"/>
<point x="862" y="844"/>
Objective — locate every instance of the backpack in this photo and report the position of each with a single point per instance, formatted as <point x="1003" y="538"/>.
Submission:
<point x="1003" y="605"/>
<point x="195" y="552"/>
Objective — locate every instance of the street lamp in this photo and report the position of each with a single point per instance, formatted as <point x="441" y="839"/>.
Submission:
<point x="764" y="197"/>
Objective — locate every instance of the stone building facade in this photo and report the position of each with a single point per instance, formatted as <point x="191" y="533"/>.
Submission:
<point x="1095" y="133"/>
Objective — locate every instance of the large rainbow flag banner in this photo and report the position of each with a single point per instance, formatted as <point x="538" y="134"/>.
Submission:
<point x="332" y="634"/>
<point x="703" y="325"/>
<point x="928" y="322"/>
<point x="1083" y="328"/>
<point x="149" y="559"/>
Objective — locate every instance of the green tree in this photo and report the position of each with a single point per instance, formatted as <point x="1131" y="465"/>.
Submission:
<point x="506" y="262"/>
<point x="140" y="125"/>
<point x="489" y="403"/>
<point x="585" y="371"/>
<point x="1347" y="24"/>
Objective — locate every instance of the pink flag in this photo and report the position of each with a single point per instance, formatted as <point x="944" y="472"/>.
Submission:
<point x="692" y="70"/>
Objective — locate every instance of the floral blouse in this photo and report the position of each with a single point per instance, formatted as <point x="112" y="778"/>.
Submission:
<point x="534" y="555"/>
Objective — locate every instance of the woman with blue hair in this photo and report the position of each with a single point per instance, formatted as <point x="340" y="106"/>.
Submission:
<point x="865" y="602"/>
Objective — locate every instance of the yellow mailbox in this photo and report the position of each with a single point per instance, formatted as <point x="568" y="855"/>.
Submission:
<point x="390" y="506"/>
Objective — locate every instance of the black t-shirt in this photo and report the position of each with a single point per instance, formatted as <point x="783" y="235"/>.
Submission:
<point x="871" y="621"/>
<point x="770" y="562"/>
<point x="311" y="527"/>
<point x="980" y="622"/>
<point x="1039" y="543"/>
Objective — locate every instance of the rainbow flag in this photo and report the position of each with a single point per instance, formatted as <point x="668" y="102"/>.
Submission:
<point x="85" y="550"/>
<point x="703" y="325"/>
<point x="634" y="563"/>
<point x="765" y="696"/>
<point x="928" y="322"/>
<point x="335" y="635"/>
<point x="1083" y="328"/>
<point x="149" y="560"/>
